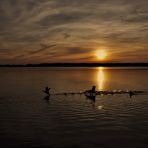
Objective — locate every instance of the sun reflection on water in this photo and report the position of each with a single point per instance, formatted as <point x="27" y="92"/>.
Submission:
<point x="101" y="78"/>
<point x="100" y="107"/>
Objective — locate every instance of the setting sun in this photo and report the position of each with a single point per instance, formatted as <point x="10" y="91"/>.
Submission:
<point x="101" y="54"/>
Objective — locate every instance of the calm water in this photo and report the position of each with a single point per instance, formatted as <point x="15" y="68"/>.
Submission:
<point x="28" y="120"/>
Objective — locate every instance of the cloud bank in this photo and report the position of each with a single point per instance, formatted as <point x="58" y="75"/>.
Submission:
<point x="34" y="31"/>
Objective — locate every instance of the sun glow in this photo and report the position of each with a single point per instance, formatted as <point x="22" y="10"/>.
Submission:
<point x="101" y="54"/>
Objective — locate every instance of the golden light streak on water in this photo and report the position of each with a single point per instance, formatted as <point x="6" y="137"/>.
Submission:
<point x="101" y="78"/>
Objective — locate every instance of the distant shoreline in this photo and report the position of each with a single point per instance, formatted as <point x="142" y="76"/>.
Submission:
<point x="78" y="65"/>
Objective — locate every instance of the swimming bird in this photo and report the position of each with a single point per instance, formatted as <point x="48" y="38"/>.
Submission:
<point x="46" y="91"/>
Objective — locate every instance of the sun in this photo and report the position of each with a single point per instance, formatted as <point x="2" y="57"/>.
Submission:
<point x="101" y="54"/>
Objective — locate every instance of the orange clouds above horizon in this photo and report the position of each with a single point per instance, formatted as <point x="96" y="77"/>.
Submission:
<point x="38" y="31"/>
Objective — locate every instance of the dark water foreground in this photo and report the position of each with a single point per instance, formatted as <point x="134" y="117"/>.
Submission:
<point x="29" y="120"/>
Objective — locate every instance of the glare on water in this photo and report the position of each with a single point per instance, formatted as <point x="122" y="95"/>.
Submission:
<point x="101" y="78"/>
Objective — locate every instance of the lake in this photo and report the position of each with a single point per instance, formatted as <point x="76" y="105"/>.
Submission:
<point x="27" y="119"/>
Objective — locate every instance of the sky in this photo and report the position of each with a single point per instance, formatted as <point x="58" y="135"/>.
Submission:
<point x="47" y="31"/>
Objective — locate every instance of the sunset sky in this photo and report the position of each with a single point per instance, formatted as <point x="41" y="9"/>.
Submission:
<point x="39" y="31"/>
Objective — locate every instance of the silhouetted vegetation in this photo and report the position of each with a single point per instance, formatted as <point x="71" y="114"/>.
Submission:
<point x="78" y="65"/>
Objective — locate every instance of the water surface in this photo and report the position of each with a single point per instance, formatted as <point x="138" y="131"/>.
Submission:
<point x="28" y="120"/>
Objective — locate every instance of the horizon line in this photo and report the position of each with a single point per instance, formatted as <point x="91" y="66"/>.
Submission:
<point x="143" y="64"/>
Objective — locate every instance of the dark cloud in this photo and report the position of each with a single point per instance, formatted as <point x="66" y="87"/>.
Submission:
<point x="57" y="29"/>
<point x="43" y="48"/>
<point x="77" y="50"/>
